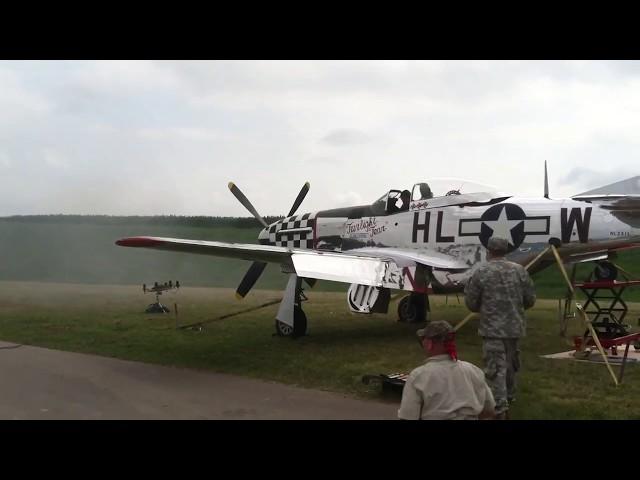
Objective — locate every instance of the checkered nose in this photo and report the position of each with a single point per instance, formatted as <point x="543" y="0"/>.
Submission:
<point x="295" y="231"/>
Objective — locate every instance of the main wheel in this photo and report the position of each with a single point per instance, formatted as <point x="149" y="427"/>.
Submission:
<point x="283" y="330"/>
<point x="605" y="271"/>
<point x="299" y="328"/>
<point x="412" y="309"/>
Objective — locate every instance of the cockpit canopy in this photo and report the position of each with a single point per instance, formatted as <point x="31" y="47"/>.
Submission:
<point x="438" y="192"/>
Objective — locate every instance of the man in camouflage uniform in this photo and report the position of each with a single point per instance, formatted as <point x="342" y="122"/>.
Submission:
<point x="501" y="291"/>
<point x="444" y="388"/>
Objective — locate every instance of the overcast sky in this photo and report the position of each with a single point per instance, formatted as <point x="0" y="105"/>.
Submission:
<point x="165" y="137"/>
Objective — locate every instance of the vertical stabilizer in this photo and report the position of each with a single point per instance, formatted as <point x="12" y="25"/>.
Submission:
<point x="546" y="181"/>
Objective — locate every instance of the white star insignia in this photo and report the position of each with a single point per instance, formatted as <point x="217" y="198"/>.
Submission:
<point x="502" y="226"/>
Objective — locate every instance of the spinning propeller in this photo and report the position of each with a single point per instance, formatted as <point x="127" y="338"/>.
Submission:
<point x="256" y="268"/>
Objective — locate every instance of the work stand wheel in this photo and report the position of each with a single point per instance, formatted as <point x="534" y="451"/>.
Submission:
<point x="413" y="309"/>
<point x="299" y="328"/>
<point x="605" y="271"/>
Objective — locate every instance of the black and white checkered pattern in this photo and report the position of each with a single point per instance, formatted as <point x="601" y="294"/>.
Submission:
<point x="295" y="240"/>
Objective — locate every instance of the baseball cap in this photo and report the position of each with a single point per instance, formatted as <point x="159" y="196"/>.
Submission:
<point x="498" y="245"/>
<point x="439" y="328"/>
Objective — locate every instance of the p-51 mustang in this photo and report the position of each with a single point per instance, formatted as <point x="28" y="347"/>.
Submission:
<point x="415" y="241"/>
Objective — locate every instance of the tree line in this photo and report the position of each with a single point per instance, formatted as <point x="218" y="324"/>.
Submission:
<point x="171" y="220"/>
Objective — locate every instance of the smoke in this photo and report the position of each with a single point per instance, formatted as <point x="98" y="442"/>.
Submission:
<point x="83" y="250"/>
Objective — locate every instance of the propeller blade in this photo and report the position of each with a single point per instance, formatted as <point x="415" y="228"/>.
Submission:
<point x="299" y="198"/>
<point x="250" y="279"/>
<point x="246" y="203"/>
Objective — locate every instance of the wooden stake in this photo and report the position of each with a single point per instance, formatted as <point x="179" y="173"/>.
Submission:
<point x="538" y="257"/>
<point x="562" y="269"/>
<point x="594" y="335"/>
<point x="465" y="320"/>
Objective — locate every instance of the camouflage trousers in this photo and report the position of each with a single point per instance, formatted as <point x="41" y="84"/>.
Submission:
<point x="501" y="362"/>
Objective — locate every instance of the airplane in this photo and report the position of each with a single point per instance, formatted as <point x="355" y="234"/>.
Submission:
<point x="422" y="241"/>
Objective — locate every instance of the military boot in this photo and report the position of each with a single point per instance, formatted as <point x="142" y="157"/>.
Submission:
<point x="503" y="416"/>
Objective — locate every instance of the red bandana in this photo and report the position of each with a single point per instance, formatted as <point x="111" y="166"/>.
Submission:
<point x="450" y="345"/>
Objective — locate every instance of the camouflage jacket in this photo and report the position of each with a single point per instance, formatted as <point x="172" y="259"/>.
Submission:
<point x="500" y="290"/>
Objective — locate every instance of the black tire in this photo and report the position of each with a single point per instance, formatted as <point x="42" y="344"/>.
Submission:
<point x="412" y="309"/>
<point x="405" y="310"/>
<point x="605" y="271"/>
<point x="299" y="325"/>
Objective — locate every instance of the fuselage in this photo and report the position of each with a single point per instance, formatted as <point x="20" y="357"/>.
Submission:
<point x="458" y="225"/>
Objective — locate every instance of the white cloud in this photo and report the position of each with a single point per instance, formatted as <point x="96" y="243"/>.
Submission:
<point x="5" y="162"/>
<point x="55" y="159"/>
<point x="346" y="199"/>
<point x="345" y="136"/>
<point x="134" y="130"/>
<point x="18" y="103"/>
<point x="123" y="77"/>
<point x="181" y="133"/>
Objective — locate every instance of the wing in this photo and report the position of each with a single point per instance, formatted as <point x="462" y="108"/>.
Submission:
<point x="260" y="253"/>
<point x="405" y="258"/>
<point x="380" y="267"/>
<point x="601" y="246"/>
<point x="583" y="252"/>
<point x="622" y="199"/>
<point x="625" y="209"/>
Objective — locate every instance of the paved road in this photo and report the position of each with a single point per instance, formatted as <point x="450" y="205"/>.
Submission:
<point x="38" y="383"/>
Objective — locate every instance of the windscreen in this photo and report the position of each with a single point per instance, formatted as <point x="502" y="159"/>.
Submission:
<point x="445" y="186"/>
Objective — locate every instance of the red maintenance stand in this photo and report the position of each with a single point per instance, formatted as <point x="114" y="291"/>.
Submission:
<point x="610" y="343"/>
<point x="606" y="308"/>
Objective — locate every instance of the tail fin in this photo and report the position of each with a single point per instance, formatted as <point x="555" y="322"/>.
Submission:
<point x="546" y="181"/>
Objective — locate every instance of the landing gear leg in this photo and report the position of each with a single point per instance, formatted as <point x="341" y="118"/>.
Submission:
<point x="299" y="319"/>
<point x="414" y="308"/>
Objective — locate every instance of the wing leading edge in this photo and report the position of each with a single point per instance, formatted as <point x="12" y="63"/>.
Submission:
<point x="375" y="266"/>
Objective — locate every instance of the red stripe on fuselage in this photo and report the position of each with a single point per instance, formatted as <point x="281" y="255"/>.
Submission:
<point x="416" y="288"/>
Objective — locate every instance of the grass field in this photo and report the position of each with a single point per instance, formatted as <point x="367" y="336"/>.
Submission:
<point x="340" y="347"/>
